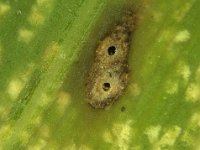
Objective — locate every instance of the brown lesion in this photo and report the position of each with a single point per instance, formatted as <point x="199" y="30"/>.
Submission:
<point x="108" y="76"/>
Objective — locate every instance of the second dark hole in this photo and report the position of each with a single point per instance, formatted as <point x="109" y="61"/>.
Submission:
<point x="111" y="50"/>
<point x="106" y="86"/>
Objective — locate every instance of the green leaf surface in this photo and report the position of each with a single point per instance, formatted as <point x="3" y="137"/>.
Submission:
<point x="46" y="49"/>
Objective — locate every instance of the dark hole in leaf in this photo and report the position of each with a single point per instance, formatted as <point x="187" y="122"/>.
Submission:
<point x="106" y="86"/>
<point x="123" y="109"/>
<point x="111" y="50"/>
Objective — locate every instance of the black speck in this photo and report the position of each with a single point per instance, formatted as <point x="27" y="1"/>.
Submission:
<point x="123" y="109"/>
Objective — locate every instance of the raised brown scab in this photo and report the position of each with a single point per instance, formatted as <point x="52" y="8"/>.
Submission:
<point x="108" y="76"/>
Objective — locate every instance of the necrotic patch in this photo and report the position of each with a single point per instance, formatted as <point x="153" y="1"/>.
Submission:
<point x="108" y="75"/>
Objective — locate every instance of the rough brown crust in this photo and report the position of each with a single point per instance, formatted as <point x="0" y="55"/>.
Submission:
<point x="108" y="76"/>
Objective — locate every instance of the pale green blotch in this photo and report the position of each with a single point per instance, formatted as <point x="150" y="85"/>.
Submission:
<point x="14" y="87"/>
<point x="187" y="138"/>
<point x="183" y="71"/>
<point x="24" y="137"/>
<point x="192" y="93"/>
<point x="197" y="147"/>
<point x="25" y="35"/>
<point x="182" y="36"/>
<point x="195" y="119"/>
<point x="171" y="87"/>
<point x="44" y="100"/>
<point x="168" y="138"/>
<point x="120" y="135"/>
<point x="40" y="11"/>
<point x="193" y="125"/>
<point x="4" y="131"/>
<point x="166" y="37"/>
<point x="63" y="101"/>
<point x="153" y="133"/>
<point x="4" y="8"/>
<point x="180" y="13"/>
<point x="17" y="83"/>
<point x="36" y="17"/>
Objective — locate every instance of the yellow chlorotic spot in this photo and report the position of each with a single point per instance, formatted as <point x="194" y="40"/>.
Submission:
<point x="108" y="137"/>
<point x="24" y="137"/>
<point x="120" y="135"/>
<point x="64" y="99"/>
<point x="14" y="88"/>
<point x="40" y="11"/>
<point x="36" y="17"/>
<point x="182" y="11"/>
<point x="171" y="87"/>
<point x="198" y="147"/>
<point x="25" y="35"/>
<point x="168" y="138"/>
<point x="184" y="71"/>
<point x="187" y="138"/>
<point x="192" y="93"/>
<point x="4" y="131"/>
<point x="195" y="120"/>
<point x="4" y="8"/>
<point x="123" y="134"/>
<point x="44" y="100"/>
<point x="182" y="36"/>
<point x="51" y="51"/>
<point x="153" y="133"/>
<point x="135" y="89"/>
